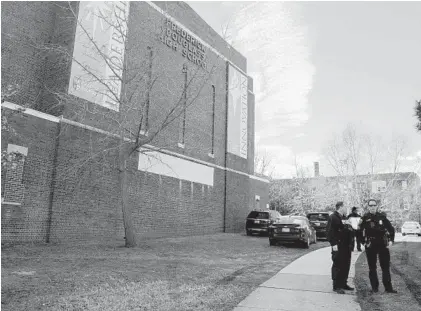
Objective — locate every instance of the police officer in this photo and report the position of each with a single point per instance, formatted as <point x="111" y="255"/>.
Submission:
<point x="338" y="237"/>
<point x="378" y="235"/>
<point x="348" y="240"/>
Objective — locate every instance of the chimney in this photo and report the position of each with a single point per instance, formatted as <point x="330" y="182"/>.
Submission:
<point x="316" y="169"/>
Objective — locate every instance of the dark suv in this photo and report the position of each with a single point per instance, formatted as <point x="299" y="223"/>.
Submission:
<point x="319" y="222"/>
<point x="259" y="221"/>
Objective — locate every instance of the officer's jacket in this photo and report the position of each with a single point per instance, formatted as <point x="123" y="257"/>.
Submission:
<point x="375" y="226"/>
<point x="348" y="236"/>
<point x="335" y="229"/>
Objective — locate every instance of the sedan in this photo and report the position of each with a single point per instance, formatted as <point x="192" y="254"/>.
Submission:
<point x="319" y="221"/>
<point x="411" y="227"/>
<point x="292" y="229"/>
<point x="259" y="221"/>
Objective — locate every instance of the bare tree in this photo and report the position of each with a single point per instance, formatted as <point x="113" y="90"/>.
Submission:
<point x="396" y="151"/>
<point x="135" y="99"/>
<point x="372" y="149"/>
<point x="336" y="156"/>
<point x="263" y="163"/>
<point x="300" y="171"/>
<point x="352" y="144"/>
<point x="417" y="109"/>
<point x="127" y="90"/>
<point x="10" y="159"/>
<point x="344" y="154"/>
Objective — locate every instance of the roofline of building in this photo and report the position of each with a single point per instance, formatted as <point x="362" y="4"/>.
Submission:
<point x="350" y="176"/>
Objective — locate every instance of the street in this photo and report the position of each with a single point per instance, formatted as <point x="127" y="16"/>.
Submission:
<point x="408" y="238"/>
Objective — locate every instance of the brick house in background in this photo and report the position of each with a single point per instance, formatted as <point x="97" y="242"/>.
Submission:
<point x="51" y="195"/>
<point x="399" y="194"/>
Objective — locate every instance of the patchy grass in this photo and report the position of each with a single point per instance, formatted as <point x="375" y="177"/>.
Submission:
<point x="406" y="279"/>
<point x="213" y="272"/>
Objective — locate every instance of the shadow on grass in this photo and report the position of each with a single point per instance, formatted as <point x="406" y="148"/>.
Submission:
<point x="406" y="278"/>
<point x="213" y="272"/>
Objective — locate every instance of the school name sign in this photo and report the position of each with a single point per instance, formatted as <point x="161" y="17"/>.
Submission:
<point x="181" y="41"/>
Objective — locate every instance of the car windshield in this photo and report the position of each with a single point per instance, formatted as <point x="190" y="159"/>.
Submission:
<point x="410" y="225"/>
<point x="258" y="215"/>
<point x="318" y="217"/>
<point x="290" y="220"/>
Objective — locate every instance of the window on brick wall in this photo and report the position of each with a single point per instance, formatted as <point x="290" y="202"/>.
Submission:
<point x="257" y="202"/>
<point x="13" y="186"/>
<point x="145" y="111"/>
<point x="213" y="119"/>
<point x="182" y="130"/>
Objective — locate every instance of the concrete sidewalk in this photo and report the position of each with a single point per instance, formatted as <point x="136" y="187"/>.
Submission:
<point x="303" y="285"/>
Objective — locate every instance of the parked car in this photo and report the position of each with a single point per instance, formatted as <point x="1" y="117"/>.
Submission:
<point x="259" y="221"/>
<point x="411" y="227"/>
<point x="319" y="222"/>
<point x="292" y="229"/>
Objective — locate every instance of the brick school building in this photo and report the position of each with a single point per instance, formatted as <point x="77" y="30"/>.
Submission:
<point x="198" y="177"/>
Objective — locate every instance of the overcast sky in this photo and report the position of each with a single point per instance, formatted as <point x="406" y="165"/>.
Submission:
<point x="318" y="66"/>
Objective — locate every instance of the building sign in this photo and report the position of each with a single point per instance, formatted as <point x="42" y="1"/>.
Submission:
<point x="171" y="166"/>
<point x="237" y="112"/>
<point x="378" y="186"/>
<point x="98" y="53"/>
<point x="181" y="41"/>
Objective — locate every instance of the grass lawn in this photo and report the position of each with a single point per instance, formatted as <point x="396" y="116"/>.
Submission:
<point x="213" y="272"/>
<point x="406" y="279"/>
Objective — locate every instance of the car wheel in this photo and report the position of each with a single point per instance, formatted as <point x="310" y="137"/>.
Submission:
<point x="403" y="234"/>
<point x="248" y="232"/>
<point x="272" y="242"/>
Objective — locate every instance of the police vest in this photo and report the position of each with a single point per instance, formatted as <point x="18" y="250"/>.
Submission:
<point x="374" y="227"/>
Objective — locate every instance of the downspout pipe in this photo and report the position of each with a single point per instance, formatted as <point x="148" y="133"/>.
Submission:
<point x="226" y="148"/>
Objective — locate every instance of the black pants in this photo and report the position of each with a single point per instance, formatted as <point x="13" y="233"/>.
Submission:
<point x="340" y="267"/>
<point x="358" y="236"/>
<point x="384" y="259"/>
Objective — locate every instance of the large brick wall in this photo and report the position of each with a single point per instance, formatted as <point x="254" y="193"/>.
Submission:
<point x="85" y="201"/>
<point x="28" y="221"/>
<point x="71" y="185"/>
<point x="261" y="189"/>
<point x="86" y="189"/>
<point x="24" y="27"/>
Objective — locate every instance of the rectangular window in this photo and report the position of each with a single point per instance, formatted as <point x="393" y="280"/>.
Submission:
<point x="182" y="132"/>
<point x="14" y="188"/>
<point x="213" y="120"/>
<point x="144" y="126"/>
<point x="378" y="186"/>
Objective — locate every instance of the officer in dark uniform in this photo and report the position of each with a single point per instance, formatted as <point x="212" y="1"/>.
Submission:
<point x="378" y="235"/>
<point x="348" y="240"/>
<point x="339" y="237"/>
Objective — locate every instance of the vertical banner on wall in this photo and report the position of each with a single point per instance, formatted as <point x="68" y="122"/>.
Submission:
<point x="237" y="112"/>
<point x="98" y="55"/>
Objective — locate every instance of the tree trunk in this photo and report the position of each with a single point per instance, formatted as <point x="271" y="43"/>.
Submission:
<point x="124" y="199"/>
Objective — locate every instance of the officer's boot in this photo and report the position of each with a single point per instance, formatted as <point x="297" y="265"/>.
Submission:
<point x="389" y="289"/>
